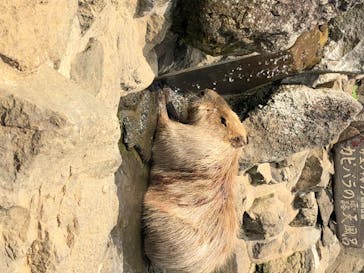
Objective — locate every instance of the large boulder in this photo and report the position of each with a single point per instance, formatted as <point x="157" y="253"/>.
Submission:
<point x="297" y="118"/>
<point x="223" y="27"/>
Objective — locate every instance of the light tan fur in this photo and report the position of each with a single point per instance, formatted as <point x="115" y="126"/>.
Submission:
<point x="191" y="225"/>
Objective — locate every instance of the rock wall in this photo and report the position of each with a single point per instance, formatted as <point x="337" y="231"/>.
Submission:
<point x="64" y="66"/>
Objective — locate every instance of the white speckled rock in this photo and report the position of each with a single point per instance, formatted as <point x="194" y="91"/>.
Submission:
<point x="297" y="118"/>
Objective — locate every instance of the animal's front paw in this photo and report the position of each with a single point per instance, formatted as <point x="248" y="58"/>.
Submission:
<point x="162" y="105"/>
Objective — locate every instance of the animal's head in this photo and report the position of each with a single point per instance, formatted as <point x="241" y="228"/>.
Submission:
<point x="211" y="111"/>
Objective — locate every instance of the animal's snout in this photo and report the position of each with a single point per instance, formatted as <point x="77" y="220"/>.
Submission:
<point x="239" y="141"/>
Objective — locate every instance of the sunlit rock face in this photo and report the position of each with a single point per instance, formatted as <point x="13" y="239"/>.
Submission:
<point x="28" y="38"/>
<point x="57" y="174"/>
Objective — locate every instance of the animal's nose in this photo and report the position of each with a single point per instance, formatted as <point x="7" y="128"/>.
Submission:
<point x="239" y="141"/>
<point x="236" y="142"/>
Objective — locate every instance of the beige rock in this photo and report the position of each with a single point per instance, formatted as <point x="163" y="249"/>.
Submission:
<point x="57" y="190"/>
<point x="316" y="173"/>
<point x="14" y="224"/>
<point x="33" y="32"/>
<point x="347" y="262"/>
<point x="87" y="67"/>
<point x="59" y="134"/>
<point x="129" y="62"/>
<point x="244" y="264"/>
<point x="288" y="170"/>
<point x="296" y="263"/>
<point x="292" y="240"/>
<point x="328" y="255"/>
<point x="87" y="12"/>
<point x="266" y="218"/>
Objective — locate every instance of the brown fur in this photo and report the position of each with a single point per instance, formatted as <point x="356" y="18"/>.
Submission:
<point x="190" y="218"/>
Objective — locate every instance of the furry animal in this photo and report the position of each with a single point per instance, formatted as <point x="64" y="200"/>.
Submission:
<point x="190" y="219"/>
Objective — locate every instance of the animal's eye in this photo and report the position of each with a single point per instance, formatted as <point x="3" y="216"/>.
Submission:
<point x="201" y="94"/>
<point x="223" y="121"/>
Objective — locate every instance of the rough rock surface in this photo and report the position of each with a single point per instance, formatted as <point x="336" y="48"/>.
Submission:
<point x="222" y="27"/>
<point x="316" y="173"/>
<point x="298" y="262"/>
<point x="57" y="176"/>
<point x="266" y="218"/>
<point x="346" y="260"/>
<point x="108" y="33"/>
<point x="307" y="210"/>
<point x="303" y="118"/>
<point x="138" y="117"/>
<point x="292" y="240"/>
<point x="28" y="37"/>
<point x="345" y="48"/>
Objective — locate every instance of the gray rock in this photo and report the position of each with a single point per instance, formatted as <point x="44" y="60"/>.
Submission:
<point x="303" y="118"/>
<point x="305" y="218"/>
<point x="310" y="176"/>
<point x="138" y="118"/>
<point x="225" y="27"/>
<point x="345" y="48"/>
<point x="307" y="210"/>
<point x="325" y="204"/>
<point x="328" y="237"/>
<point x="174" y="54"/>
<point x="266" y="218"/>
<point x="256" y="177"/>
<point x="348" y="133"/>
<point x="305" y="201"/>
<point x="138" y="114"/>
<point x="146" y="6"/>
<point x="131" y="180"/>
<point x="273" y="173"/>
